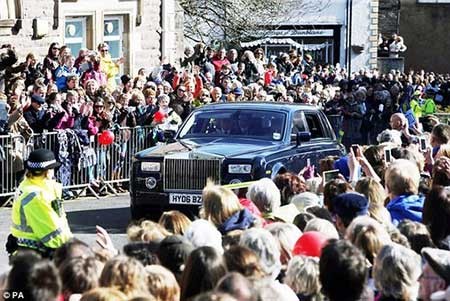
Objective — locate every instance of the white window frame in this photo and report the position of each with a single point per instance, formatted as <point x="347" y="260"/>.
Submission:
<point x="76" y="40"/>
<point x="118" y="37"/>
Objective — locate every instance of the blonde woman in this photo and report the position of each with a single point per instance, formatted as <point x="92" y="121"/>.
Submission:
<point x="162" y="283"/>
<point x="253" y="68"/>
<point x="147" y="231"/>
<point x="222" y="208"/>
<point x="175" y="222"/>
<point x="376" y="195"/>
<point x="444" y="151"/>
<point x="104" y="294"/>
<point x="125" y="274"/>
<point x="367" y="235"/>
<point x="302" y="276"/>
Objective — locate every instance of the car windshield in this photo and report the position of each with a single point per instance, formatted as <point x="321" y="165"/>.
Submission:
<point x="241" y="123"/>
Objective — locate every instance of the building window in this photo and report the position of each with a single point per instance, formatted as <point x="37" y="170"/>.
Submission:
<point x="8" y="9"/>
<point x="113" y="35"/>
<point x="75" y="33"/>
<point x="10" y="13"/>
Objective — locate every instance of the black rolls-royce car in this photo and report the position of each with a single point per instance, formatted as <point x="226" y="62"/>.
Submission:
<point x="228" y="143"/>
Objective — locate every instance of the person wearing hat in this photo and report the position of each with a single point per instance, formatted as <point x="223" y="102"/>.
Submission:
<point x="436" y="272"/>
<point x="414" y="103"/>
<point x="429" y="106"/>
<point x="38" y="218"/>
<point x="35" y="114"/>
<point x="127" y="83"/>
<point x="347" y="206"/>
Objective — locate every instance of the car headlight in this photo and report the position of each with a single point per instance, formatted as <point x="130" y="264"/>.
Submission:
<point x="240" y="168"/>
<point x="151" y="166"/>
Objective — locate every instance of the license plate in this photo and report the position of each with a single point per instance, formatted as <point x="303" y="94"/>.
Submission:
<point x="185" y="199"/>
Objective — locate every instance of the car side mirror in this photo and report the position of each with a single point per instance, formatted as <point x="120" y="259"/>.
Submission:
<point x="303" y="137"/>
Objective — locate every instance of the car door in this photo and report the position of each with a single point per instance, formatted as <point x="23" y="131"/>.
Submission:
<point x="304" y="153"/>
<point x="322" y="140"/>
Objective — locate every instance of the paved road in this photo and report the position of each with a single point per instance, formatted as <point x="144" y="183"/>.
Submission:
<point x="112" y="213"/>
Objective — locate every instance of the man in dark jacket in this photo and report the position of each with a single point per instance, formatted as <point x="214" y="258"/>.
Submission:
<point x="35" y="115"/>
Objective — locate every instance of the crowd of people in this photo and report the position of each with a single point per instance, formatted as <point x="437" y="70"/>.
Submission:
<point x="68" y="91"/>
<point x="379" y="230"/>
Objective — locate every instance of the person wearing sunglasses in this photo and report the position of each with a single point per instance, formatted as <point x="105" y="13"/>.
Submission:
<point x="51" y="61"/>
<point x="108" y="65"/>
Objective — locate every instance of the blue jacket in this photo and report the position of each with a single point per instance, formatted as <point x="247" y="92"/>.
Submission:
<point x="406" y="207"/>
<point x="241" y="220"/>
<point x="61" y="74"/>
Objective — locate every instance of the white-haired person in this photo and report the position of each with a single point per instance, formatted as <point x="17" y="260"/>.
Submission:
<point x="396" y="273"/>
<point x="323" y="226"/>
<point x="390" y="137"/>
<point x="266" y="196"/>
<point x="265" y="246"/>
<point x="402" y="183"/>
<point x="203" y="233"/>
<point x="286" y="235"/>
<point x="302" y="276"/>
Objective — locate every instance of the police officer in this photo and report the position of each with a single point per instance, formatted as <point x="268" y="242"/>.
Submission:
<point x="38" y="218"/>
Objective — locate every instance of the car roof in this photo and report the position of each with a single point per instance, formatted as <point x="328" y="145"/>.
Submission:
<point x="263" y="105"/>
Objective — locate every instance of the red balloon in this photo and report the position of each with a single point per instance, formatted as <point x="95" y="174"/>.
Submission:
<point x="159" y="116"/>
<point x="310" y="244"/>
<point x="106" y="138"/>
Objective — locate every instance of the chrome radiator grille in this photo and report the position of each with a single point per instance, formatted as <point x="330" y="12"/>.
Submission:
<point x="190" y="174"/>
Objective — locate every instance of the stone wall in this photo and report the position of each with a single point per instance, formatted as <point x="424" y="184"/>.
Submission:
<point x="388" y="17"/>
<point x="364" y="34"/>
<point x="23" y="39"/>
<point x="142" y="26"/>
<point x="425" y="28"/>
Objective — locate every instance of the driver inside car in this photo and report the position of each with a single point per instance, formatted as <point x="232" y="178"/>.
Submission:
<point x="245" y="124"/>
<point x="226" y="126"/>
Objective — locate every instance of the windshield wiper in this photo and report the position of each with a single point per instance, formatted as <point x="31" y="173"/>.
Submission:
<point x="184" y="144"/>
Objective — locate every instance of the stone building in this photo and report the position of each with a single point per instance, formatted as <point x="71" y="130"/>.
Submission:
<point x="332" y="31"/>
<point x="424" y="26"/>
<point x="389" y="17"/>
<point x="138" y="30"/>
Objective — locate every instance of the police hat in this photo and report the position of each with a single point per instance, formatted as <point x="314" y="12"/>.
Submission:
<point x="41" y="159"/>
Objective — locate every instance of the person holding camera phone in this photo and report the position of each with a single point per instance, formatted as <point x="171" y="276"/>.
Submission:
<point x="356" y="160"/>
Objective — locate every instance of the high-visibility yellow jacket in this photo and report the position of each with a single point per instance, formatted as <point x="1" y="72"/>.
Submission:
<point x="111" y="69"/>
<point x="429" y="107"/>
<point x="38" y="218"/>
<point x="416" y="108"/>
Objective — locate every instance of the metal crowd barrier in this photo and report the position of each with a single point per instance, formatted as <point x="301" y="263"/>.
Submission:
<point x="443" y="117"/>
<point x="13" y="150"/>
<point x="82" y="165"/>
